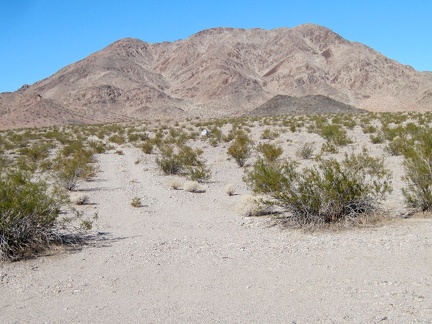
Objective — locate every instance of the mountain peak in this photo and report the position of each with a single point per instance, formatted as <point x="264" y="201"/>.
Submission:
<point x="218" y="72"/>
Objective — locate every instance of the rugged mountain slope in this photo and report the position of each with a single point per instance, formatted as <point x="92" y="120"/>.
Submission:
<point x="311" y="104"/>
<point x="217" y="72"/>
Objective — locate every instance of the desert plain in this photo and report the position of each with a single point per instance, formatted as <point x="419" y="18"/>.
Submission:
<point x="195" y="257"/>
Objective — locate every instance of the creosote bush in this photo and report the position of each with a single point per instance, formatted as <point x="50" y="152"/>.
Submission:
<point x="328" y="192"/>
<point x="241" y="148"/>
<point x="185" y="161"/>
<point x="70" y="170"/>
<point x="335" y="134"/>
<point x="270" y="152"/>
<point x="28" y="212"/>
<point x="418" y="173"/>
<point x="269" y="134"/>
<point x="72" y="164"/>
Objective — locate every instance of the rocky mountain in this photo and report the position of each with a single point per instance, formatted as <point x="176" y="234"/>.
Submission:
<point x="307" y="105"/>
<point x="214" y="73"/>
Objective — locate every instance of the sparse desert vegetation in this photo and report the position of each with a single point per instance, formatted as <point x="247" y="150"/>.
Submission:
<point x="342" y="181"/>
<point x="259" y="179"/>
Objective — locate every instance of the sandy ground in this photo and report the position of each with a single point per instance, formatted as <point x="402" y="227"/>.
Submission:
<point x="189" y="258"/>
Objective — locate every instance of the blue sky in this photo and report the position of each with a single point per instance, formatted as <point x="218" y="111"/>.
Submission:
<point x="38" y="37"/>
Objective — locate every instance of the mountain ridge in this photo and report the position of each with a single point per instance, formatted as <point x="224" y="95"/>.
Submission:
<point x="218" y="72"/>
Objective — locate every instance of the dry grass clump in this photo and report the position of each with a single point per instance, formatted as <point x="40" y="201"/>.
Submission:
<point x="230" y="189"/>
<point x="250" y="205"/>
<point x="193" y="186"/>
<point x="305" y="151"/>
<point x="175" y="184"/>
<point x="82" y="200"/>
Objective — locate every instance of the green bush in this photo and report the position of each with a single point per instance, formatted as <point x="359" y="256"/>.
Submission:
<point x="69" y="170"/>
<point x="147" y="146"/>
<point x="418" y="173"/>
<point x="270" y="152"/>
<point x="199" y="172"/>
<point x="186" y="161"/>
<point x="378" y="138"/>
<point x="329" y="147"/>
<point x="399" y="146"/>
<point x="335" y="134"/>
<point x="98" y="147"/>
<point x="329" y="192"/>
<point x="27" y="215"/>
<point x="168" y="161"/>
<point x="117" y="139"/>
<point x="240" y="149"/>
<point x="269" y="134"/>
<point x="369" y="129"/>
<point x="36" y="151"/>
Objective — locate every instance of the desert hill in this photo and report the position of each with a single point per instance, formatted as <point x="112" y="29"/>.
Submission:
<point x="307" y="105"/>
<point x="214" y="73"/>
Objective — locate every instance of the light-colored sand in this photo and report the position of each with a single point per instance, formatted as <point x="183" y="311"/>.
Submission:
<point x="189" y="258"/>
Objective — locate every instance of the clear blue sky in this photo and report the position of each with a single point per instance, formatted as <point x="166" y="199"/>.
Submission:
<point x="38" y="37"/>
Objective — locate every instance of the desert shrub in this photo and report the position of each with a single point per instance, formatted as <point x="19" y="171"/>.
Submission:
<point x="369" y="129"/>
<point x="418" y="174"/>
<point x="28" y="212"/>
<point x="305" y="151"/>
<point x="117" y="139"/>
<point x="69" y="170"/>
<point x="265" y="177"/>
<point x="186" y="161"/>
<point x="24" y="163"/>
<point x="328" y="192"/>
<point x="378" y="138"/>
<point x="177" y="136"/>
<point x="391" y="132"/>
<point x="240" y="149"/>
<point x="98" y="147"/>
<point x="4" y="162"/>
<point x="193" y="164"/>
<point x="216" y="135"/>
<point x="198" y="172"/>
<point x="72" y="147"/>
<point x="82" y="200"/>
<point x="349" y="122"/>
<point x="250" y="205"/>
<point x="136" y="202"/>
<point x="168" y="161"/>
<point x="335" y="134"/>
<point x="230" y="189"/>
<point x="329" y="147"/>
<point x="399" y="146"/>
<point x="36" y="151"/>
<point x="158" y="138"/>
<point x="269" y="134"/>
<point x="193" y="186"/>
<point x="270" y="152"/>
<point x="147" y="147"/>
<point x="175" y="184"/>
<point x="133" y="137"/>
